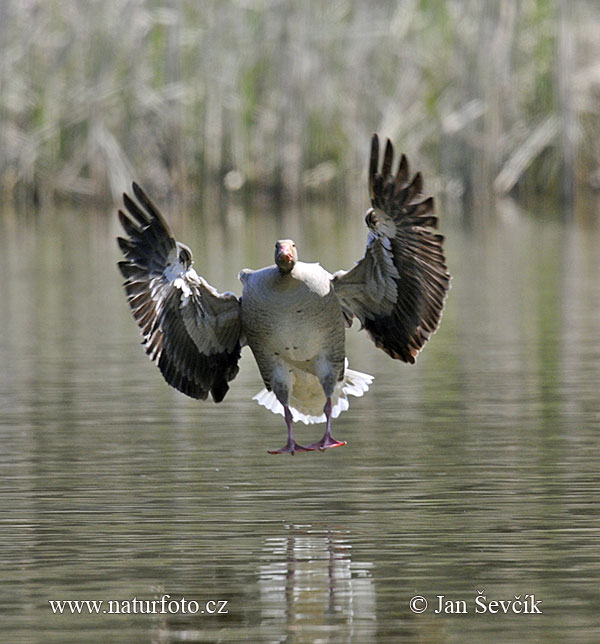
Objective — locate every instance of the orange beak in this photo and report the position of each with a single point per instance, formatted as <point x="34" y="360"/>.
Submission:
<point x="286" y="253"/>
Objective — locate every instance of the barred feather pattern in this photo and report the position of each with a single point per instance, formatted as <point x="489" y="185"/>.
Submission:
<point x="189" y="330"/>
<point x="398" y="289"/>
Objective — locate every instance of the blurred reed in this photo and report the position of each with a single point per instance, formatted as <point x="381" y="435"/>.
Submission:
<point x="280" y="98"/>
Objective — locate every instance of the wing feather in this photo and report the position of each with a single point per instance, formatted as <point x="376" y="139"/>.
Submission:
<point x="398" y="289"/>
<point x="190" y="330"/>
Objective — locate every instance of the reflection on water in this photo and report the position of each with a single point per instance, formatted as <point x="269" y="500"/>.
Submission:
<point x="308" y="579"/>
<point x="475" y="469"/>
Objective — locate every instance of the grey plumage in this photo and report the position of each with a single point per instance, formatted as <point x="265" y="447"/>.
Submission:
<point x="292" y="314"/>
<point x="294" y="326"/>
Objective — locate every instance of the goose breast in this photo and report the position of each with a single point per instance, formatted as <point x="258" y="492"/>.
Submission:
<point x="294" y="317"/>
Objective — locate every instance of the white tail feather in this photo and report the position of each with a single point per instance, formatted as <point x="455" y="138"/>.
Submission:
<point x="354" y="383"/>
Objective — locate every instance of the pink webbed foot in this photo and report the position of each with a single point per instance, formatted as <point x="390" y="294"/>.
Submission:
<point x="325" y="443"/>
<point x="328" y="440"/>
<point x="291" y="447"/>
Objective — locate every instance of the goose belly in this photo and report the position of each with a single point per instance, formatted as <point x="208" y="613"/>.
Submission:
<point x="299" y="336"/>
<point x="296" y="334"/>
<point x="295" y="328"/>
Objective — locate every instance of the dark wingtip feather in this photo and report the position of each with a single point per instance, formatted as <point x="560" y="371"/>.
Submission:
<point x="129" y="226"/>
<point x="219" y="390"/>
<point x="127" y="269"/>
<point x="426" y="207"/>
<point x="403" y="171"/>
<point x="125" y="245"/>
<point x="388" y="157"/>
<point x="135" y="211"/>
<point x="147" y="203"/>
<point x="143" y="198"/>
<point x="138" y="192"/>
<point x="373" y="164"/>
<point x="415" y="188"/>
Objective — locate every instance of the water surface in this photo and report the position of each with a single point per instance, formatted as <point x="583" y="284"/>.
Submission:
<point x="475" y="470"/>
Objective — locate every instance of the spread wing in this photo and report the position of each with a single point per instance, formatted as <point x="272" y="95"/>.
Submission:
<point x="397" y="290"/>
<point x="190" y="331"/>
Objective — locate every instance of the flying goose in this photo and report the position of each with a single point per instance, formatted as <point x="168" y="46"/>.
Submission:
<point x="291" y="314"/>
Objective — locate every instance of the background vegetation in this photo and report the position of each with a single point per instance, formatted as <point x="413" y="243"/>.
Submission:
<point x="280" y="98"/>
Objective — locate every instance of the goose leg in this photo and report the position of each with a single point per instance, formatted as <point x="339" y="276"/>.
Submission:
<point x="328" y="440"/>
<point x="291" y="446"/>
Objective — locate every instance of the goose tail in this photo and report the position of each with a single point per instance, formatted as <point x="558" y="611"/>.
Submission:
<point x="307" y="406"/>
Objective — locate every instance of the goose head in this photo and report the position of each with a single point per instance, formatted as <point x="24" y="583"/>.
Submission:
<point x="286" y="255"/>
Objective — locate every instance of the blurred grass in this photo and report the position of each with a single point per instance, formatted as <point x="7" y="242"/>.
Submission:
<point x="281" y="97"/>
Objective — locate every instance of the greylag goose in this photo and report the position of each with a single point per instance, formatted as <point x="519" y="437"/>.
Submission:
<point x="292" y="314"/>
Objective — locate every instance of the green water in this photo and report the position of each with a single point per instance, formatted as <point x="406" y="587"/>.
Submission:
<point x="475" y="470"/>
